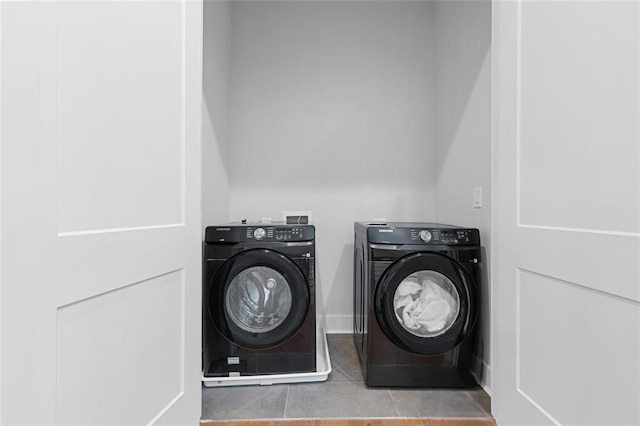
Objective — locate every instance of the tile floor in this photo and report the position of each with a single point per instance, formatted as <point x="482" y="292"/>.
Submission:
<point x="343" y="395"/>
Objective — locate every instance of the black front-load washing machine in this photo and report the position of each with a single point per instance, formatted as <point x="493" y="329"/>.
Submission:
<point x="416" y="301"/>
<point x="259" y="313"/>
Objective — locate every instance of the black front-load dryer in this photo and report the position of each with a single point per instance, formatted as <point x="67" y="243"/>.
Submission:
<point x="416" y="302"/>
<point x="259" y="313"/>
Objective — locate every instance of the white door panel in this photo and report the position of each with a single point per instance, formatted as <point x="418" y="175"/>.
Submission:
<point x="566" y="326"/>
<point x="578" y="102"/>
<point x="569" y="255"/>
<point x="126" y="343"/>
<point x="100" y="212"/>
<point x="120" y="84"/>
<point x="567" y="338"/>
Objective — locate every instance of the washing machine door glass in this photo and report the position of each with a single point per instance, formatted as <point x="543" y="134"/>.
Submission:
<point x="258" y="299"/>
<point x="426" y="303"/>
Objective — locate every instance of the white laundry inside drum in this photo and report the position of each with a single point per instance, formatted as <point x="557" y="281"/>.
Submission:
<point x="426" y="303"/>
<point x="258" y="299"/>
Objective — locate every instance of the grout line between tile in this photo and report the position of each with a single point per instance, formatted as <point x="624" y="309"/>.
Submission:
<point x="393" y="400"/>
<point x="286" y="402"/>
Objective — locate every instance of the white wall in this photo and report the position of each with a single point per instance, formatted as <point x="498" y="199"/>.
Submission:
<point x="215" y="113"/>
<point x="463" y="128"/>
<point x="332" y="110"/>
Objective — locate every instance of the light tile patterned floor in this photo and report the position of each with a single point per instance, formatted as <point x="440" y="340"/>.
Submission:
<point x="343" y="395"/>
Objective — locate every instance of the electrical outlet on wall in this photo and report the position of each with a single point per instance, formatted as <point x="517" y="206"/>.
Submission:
<point x="296" y="217"/>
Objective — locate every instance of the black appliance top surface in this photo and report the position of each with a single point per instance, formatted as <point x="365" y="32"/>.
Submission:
<point x="259" y="232"/>
<point x="408" y="225"/>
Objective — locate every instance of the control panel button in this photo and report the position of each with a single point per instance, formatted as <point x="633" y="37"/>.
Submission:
<point x="259" y="233"/>
<point x="425" y="236"/>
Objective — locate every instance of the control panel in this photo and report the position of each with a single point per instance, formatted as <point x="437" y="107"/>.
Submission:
<point x="448" y="236"/>
<point x="259" y="232"/>
<point x="278" y="233"/>
<point x="443" y="236"/>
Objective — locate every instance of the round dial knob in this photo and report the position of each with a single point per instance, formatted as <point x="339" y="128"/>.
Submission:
<point x="425" y="236"/>
<point x="259" y="233"/>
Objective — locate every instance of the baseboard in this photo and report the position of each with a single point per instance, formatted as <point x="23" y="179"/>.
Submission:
<point x="485" y="380"/>
<point x="337" y="324"/>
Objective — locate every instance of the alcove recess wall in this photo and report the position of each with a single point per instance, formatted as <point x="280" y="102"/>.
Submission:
<point x="335" y="108"/>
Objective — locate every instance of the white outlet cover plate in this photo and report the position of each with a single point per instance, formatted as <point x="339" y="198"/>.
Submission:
<point x="477" y="198"/>
<point x="296" y="214"/>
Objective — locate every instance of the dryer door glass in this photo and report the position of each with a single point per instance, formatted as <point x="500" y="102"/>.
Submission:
<point x="426" y="303"/>
<point x="258" y="299"/>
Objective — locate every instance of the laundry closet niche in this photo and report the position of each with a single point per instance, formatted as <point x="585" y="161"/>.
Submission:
<point x="352" y="110"/>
